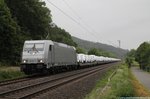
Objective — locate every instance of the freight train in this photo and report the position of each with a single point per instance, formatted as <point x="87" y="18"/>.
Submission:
<point x="44" y="56"/>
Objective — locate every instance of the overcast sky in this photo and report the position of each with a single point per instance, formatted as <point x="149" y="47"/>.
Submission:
<point x="105" y="21"/>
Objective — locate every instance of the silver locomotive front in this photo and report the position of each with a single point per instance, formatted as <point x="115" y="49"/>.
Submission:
<point x="33" y="57"/>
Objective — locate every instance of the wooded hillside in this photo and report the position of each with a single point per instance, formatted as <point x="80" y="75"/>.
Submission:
<point x="22" y="20"/>
<point x="120" y="53"/>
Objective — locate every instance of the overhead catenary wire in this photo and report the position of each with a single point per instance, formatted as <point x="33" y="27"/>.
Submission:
<point x="63" y="12"/>
<point x="74" y="20"/>
<point x="80" y="18"/>
<point x="73" y="11"/>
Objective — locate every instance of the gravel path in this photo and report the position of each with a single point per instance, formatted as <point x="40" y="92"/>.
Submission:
<point x="142" y="76"/>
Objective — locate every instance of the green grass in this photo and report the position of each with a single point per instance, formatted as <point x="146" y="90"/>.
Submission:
<point x="100" y="84"/>
<point x="119" y="85"/>
<point x="10" y="73"/>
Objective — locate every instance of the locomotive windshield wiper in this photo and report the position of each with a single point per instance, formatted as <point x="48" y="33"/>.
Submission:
<point x="33" y="49"/>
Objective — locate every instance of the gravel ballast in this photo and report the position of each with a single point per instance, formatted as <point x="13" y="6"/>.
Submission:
<point x="75" y="90"/>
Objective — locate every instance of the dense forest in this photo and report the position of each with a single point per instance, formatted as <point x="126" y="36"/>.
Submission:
<point x="22" y="20"/>
<point x="141" y="55"/>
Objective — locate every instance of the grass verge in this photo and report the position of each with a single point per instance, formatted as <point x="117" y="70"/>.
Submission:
<point x="10" y="73"/>
<point x="95" y="93"/>
<point x="120" y="85"/>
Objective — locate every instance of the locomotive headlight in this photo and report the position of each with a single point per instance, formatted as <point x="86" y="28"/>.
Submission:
<point x="41" y="61"/>
<point x="24" y="61"/>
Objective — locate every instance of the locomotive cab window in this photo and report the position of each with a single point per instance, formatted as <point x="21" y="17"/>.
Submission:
<point x="34" y="47"/>
<point x="50" y="47"/>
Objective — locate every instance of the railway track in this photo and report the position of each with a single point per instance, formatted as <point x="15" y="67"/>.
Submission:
<point x="35" y="89"/>
<point x="17" y="80"/>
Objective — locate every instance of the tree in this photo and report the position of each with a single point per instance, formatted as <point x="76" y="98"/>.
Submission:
<point x="129" y="61"/>
<point x="20" y="20"/>
<point x="143" y="55"/>
<point x="130" y="57"/>
<point x="100" y="52"/>
<point x="9" y="31"/>
<point x="60" y="35"/>
<point x="94" y="51"/>
<point x="80" y="50"/>
<point x="32" y="16"/>
<point x="132" y="53"/>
